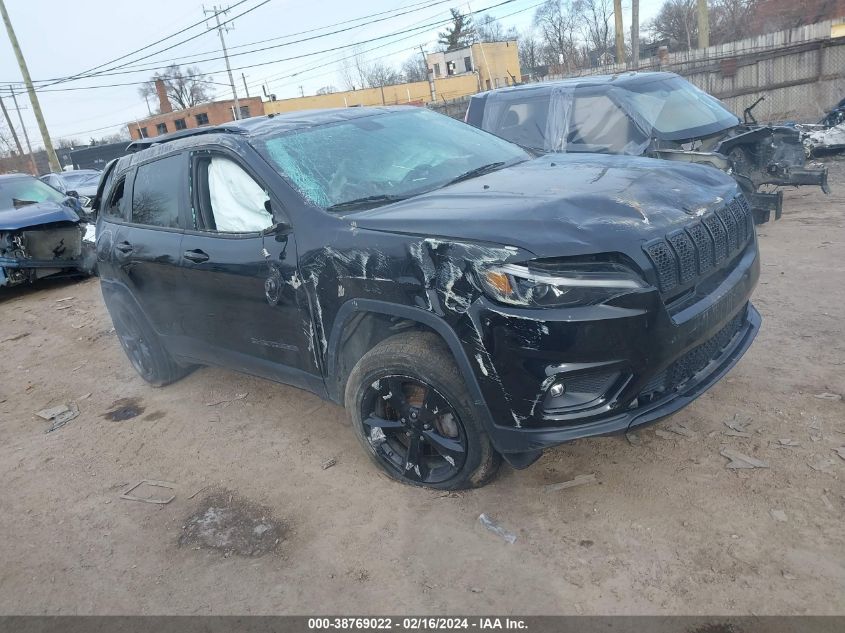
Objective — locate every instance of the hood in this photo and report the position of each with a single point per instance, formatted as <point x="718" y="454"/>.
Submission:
<point x="562" y="204"/>
<point x="36" y="214"/>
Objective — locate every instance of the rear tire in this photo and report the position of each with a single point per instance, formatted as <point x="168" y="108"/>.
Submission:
<point x="142" y="345"/>
<point x="413" y="415"/>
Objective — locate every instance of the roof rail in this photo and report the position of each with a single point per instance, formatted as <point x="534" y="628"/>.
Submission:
<point x="144" y="143"/>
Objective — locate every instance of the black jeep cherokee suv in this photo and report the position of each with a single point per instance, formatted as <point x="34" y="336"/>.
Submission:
<point x="463" y="300"/>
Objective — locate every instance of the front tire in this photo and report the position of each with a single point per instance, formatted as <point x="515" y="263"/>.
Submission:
<point x="412" y="412"/>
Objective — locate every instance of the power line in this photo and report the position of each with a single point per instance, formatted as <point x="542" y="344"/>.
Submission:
<point x="284" y="59"/>
<point x="114" y="71"/>
<point x="138" y="50"/>
<point x="193" y="59"/>
<point x="422" y="5"/>
<point x="88" y="74"/>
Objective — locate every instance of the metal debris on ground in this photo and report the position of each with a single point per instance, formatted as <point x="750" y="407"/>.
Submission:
<point x="778" y="515"/>
<point x="237" y="396"/>
<point x="739" y="460"/>
<point x="15" y="337"/>
<point x="198" y="491"/>
<point x="328" y="463"/>
<point x="822" y="465"/>
<point x="680" y="429"/>
<point x="52" y="412"/>
<point x="828" y="396"/>
<point x="788" y="442"/>
<point x="738" y="424"/>
<point x="63" y="299"/>
<point x="664" y="434"/>
<point x="731" y="433"/>
<point x="127" y="494"/>
<point x="494" y="527"/>
<point x="827" y="503"/>
<point x="579" y="480"/>
<point x="840" y="451"/>
<point x="59" y="416"/>
<point x="633" y="439"/>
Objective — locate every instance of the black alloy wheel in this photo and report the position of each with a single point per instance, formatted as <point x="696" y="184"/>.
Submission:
<point x="413" y="430"/>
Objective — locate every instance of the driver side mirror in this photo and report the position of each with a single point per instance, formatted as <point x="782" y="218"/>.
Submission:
<point x="279" y="228"/>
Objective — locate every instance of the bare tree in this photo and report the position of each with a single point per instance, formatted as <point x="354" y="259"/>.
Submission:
<point x="677" y="22"/>
<point x="185" y="88"/>
<point x="356" y="72"/>
<point x="596" y="18"/>
<point x="326" y="90"/>
<point x="732" y="20"/>
<point x="378" y="74"/>
<point x="68" y="143"/>
<point x="458" y="34"/>
<point x="414" y="69"/>
<point x="530" y="53"/>
<point x="557" y="24"/>
<point x="489" y="29"/>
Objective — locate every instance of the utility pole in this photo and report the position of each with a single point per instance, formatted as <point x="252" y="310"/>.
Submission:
<point x="246" y="90"/>
<point x="33" y="98"/>
<point x="429" y="75"/>
<point x="703" y="24"/>
<point x="635" y="34"/>
<point x="11" y="127"/>
<point x="32" y="164"/>
<point x="620" y="34"/>
<point x="220" y="28"/>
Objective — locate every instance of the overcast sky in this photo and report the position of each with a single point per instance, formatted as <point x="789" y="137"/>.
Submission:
<point x="60" y="39"/>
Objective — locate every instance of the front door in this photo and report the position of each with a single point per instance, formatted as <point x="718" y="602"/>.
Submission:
<point x="246" y="306"/>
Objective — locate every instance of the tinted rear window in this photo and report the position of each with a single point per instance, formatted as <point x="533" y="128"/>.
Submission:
<point x="156" y="193"/>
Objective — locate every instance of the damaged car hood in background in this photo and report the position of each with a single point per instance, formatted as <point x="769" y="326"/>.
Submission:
<point x="35" y="214"/>
<point x="547" y="216"/>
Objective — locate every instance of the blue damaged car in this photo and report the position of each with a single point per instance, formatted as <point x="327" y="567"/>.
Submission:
<point x="42" y="232"/>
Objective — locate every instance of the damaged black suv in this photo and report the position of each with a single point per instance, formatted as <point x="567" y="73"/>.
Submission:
<point x="464" y="301"/>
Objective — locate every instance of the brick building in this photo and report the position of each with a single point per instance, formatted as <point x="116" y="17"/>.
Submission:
<point x="211" y="113"/>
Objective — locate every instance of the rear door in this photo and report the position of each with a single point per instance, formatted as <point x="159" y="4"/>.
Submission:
<point x="247" y="307"/>
<point x="144" y="247"/>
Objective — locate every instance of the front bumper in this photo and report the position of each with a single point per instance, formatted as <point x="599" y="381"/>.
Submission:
<point x="525" y="440"/>
<point x="623" y="365"/>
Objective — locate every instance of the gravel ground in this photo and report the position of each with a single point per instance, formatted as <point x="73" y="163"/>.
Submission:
<point x="667" y="528"/>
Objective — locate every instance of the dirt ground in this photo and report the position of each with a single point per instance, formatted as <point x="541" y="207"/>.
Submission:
<point x="667" y="529"/>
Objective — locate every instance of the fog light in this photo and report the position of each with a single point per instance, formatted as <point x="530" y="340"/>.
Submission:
<point x="557" y="390"/>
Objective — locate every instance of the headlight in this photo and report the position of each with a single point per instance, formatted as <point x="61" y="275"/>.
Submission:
<point x="565" y="285"/>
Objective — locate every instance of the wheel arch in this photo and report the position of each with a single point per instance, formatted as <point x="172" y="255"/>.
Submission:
<point x="337" y="373"/>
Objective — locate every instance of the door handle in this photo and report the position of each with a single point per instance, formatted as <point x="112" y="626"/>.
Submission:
<point x="124" y="247"/>
<point x="197" y="256"/>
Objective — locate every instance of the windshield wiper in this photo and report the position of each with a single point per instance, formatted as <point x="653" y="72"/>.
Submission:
<point x="367" y="202"/>
<point x="478" y="171"/>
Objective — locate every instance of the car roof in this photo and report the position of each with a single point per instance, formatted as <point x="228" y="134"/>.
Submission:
<point x="621" y="79"/>
<point x="268" y="124"/>
<point x="14" y="176"/>
<point x="254" y="127"/>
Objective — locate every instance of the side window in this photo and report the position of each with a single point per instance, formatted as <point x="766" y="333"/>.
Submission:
<point x="524" y="122"/>
<point x="229" y="198"/>
<point x="116" y="205"/>
<point x="157" y="191"/>
<point x="598" y="121"/>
